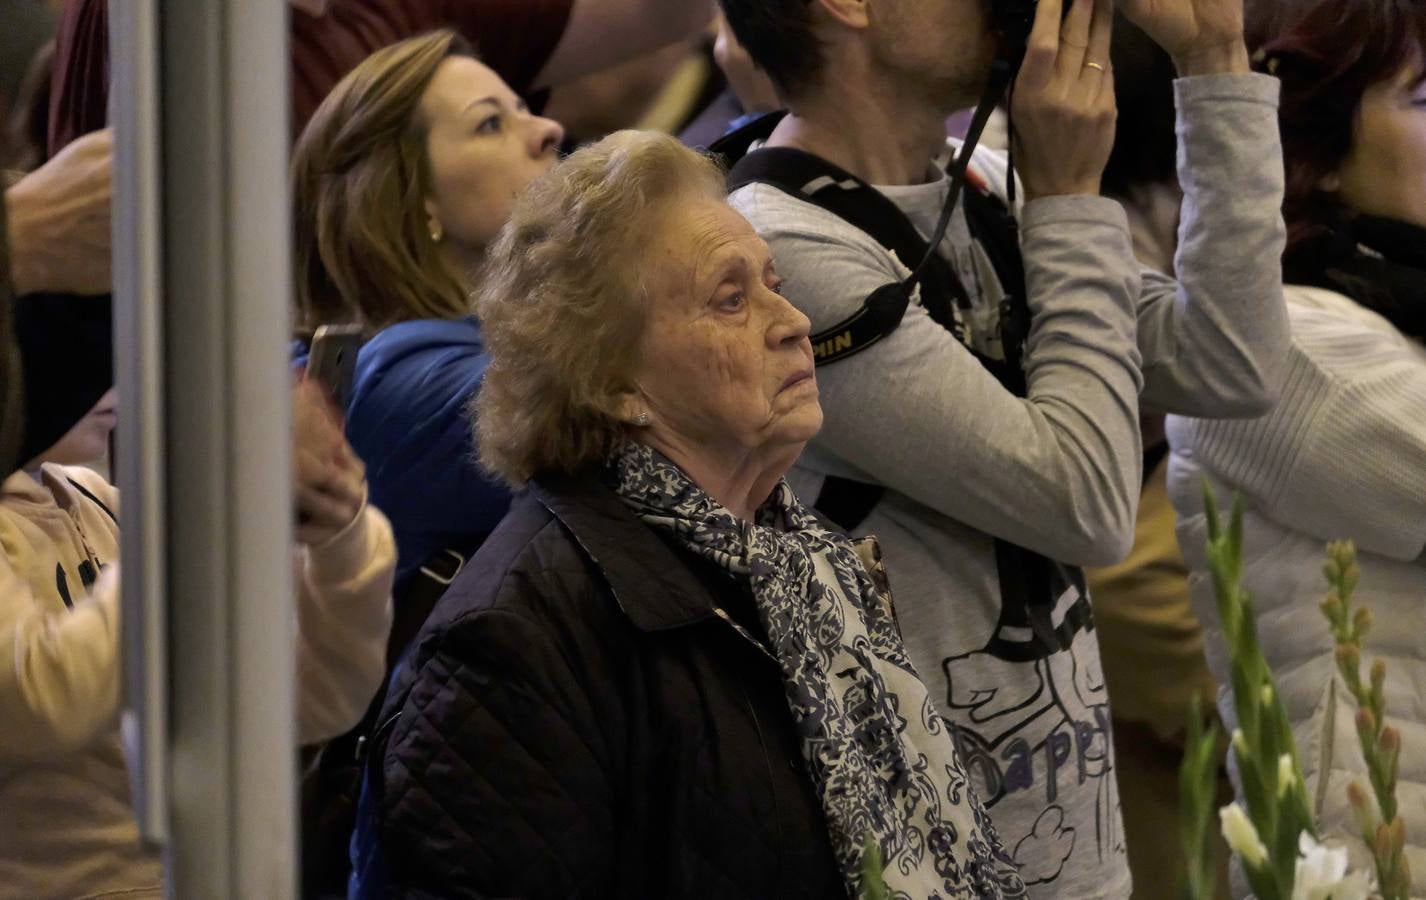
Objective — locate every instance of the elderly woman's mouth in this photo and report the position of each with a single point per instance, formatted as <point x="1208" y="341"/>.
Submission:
<point x="797" y="378"/>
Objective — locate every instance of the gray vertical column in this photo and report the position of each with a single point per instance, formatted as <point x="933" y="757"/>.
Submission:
<point x="217" y="313"/>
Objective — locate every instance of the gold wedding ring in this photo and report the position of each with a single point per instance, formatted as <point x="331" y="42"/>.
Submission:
<point x="1095" y="66"/>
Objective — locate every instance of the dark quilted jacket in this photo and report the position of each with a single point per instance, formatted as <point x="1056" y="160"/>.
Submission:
<point x="578" y="720"/>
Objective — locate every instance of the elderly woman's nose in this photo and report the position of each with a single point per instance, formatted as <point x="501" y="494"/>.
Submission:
<point x="792" y="324"/>
<point x="545" y="135"/>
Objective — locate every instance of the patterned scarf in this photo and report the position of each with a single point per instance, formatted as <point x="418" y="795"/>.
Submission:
<point x="880" y="756"/>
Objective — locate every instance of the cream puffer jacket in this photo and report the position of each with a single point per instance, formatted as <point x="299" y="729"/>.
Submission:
<point x="1343" y="455"/>
<point x="67" y="828"/>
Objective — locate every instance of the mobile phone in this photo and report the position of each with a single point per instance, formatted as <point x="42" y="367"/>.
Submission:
<point x="332" y="362"/>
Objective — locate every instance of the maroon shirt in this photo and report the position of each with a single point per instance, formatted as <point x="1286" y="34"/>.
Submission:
<point x="514" y="37"/>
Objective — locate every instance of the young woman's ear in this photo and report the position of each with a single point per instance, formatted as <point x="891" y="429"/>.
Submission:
<point x="433" y="222"/>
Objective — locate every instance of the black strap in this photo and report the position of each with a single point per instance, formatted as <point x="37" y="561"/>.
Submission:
<point x="100" y="503"/>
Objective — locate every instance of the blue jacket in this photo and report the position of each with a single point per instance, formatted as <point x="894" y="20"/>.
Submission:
<point x="408" y="419"/>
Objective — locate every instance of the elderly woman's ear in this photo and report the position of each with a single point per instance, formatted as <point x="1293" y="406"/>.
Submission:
<point x="631" y="408"/>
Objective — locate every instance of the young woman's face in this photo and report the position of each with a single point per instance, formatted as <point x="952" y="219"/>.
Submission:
<point x="88" y="440"/>
<point x="484" y="147"/>
<point x="1385" y="172"/>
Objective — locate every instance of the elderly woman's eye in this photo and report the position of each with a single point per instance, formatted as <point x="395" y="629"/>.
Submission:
<point x="731" y="302"/>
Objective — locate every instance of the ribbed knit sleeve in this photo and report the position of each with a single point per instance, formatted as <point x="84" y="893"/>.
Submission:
<point x="343" y="621"/>
<point x="1343" y="453"/>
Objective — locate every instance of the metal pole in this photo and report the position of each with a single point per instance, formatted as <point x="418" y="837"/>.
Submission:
<point x="217" y="420"/>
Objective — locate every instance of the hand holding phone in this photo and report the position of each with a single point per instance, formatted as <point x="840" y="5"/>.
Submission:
<point x="332" y="362"/>
<point x="329" y="479"/>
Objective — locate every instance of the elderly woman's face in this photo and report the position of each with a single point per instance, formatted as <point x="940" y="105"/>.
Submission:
<point x="726" y="363"/>
<point x="485" y="147"/>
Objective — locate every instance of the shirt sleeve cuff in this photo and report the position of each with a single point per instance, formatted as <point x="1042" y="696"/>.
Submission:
<point x="1081" y="209"/>
<point x="1247" y="87"/>
<point x="344" y="554"/>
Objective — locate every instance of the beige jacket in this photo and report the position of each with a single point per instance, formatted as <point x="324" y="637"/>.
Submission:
<point x="66" y="825"/>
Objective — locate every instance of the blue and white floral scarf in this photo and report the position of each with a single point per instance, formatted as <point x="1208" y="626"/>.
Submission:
<point x="881" y="758"/>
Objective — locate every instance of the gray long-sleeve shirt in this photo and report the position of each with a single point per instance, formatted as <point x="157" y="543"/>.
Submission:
<point x="964" y="461"/>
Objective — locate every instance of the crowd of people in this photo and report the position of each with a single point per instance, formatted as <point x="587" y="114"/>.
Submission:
<point x="708" y="516"/>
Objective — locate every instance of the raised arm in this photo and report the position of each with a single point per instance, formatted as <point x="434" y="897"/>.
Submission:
<point x="345" y="565"/>
<point x="1215" y="341"/>
<point x="918" y="413"/>
<point x="604" y="33"/>
<point x="343" y="620"/>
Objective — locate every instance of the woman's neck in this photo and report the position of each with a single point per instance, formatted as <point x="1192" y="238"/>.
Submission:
<point x="741" y="481"/>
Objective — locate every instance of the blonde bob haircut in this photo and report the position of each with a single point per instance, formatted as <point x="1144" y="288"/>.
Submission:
<point x="360" y="178"/>
<point x="563" y="304"/>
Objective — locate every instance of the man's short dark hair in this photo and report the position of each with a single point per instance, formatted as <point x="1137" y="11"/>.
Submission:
<point x="778" y="36"/>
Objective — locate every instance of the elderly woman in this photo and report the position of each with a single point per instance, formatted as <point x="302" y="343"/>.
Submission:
<point x="660" y="677"/>
<point x="1343" y="455"/>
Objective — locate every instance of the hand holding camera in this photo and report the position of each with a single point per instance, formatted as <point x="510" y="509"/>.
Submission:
<point x="1202" y="36"/>
<point x="1063" y="104"/>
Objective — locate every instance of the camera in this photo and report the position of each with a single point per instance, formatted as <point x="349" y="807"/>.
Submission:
<point x="1013" y="19"/>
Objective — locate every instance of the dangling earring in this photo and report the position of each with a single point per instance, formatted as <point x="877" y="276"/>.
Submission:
<point x="436" y="233"/>
<point x="642" y="420"/>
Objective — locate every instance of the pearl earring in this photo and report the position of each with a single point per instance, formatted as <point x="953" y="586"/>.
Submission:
<point x="642" y="420"/>
<point x="436" y="233"/>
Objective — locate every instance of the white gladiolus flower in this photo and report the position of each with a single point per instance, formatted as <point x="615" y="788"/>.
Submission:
<point x="1286" y="775"/>
<point x="1322" y="874"/>
<point x="1241" y="836"/>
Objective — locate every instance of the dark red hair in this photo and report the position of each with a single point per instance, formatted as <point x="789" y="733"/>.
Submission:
<point x="1327" y="54"/>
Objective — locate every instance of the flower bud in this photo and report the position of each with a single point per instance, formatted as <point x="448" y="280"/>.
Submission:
<point x="1398" y="836"/>
<point x="1240" y="743"/>
<point x="1349" y="657"/>
<point x="1332" y="607"/>
<point x="1389" y="743"/>
<point x="1366" y="723"/>
<point x="1362" y="622"/>
<point x="1286" y="775"/>
<point x="1378" y="674"/>
<point x="1381" y="845"/>
<point x="1390" y="740"/>
<point x="1241" y="836"/>
<point x="1361" y="806"/>
<point x="1266" y="696"/>
<point x="1329" y="568"/>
